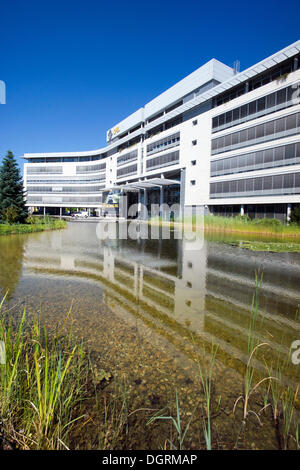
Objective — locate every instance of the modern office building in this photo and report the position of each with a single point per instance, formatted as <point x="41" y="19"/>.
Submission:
<point x="221" y="139"/>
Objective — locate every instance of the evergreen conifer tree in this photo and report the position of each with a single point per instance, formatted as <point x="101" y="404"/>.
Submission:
<point x="11" y="189"/>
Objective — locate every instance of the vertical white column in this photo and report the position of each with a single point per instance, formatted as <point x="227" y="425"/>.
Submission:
<point x="242" y="210"/>
<point x="288" y="212"/>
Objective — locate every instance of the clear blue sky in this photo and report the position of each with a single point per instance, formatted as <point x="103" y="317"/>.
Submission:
<point x="74" y="69"/>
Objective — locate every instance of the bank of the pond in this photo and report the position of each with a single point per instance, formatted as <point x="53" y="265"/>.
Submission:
<point x="54" y="394"/>
<point x="266" y="234"/>
<point x="53" y="224"/>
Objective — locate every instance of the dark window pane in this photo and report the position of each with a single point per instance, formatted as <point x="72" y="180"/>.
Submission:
<point x="280" y="125"/>
<point x="281" y="96"/>
<point x="267" y="182"/>
<point x="291" y="122"/>
<point x="268" y="157"/>
<point x="261" y="104"/>
<point x="259" y="158"/>
<point x="221" y="119"/>
<point x="288" y="181"/>
<point x="215" y="122"/>
<point x="243" y="135"/>
<point x="250" y="184"/>
<point x="228" y="117"/>
<point x="235" y="138"/>
<point x="241" y="186"/>
<point x="271" y="100"/>
<point x="236" y="114"/>
<point x="228" y="140"/>
<point x="257" y="184"/>
<point x="277" y="182"/>
<point x="251" y="133"/>
<point x="260" y="131"/>
<point x="252" y="107"/>
<point x="290" y="151"/>
<point x="244" y="111"/>
<point x="279" y="154"/>
<point x="269" y="128"/>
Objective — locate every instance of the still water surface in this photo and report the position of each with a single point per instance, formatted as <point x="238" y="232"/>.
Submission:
<point x="153" y="302"/>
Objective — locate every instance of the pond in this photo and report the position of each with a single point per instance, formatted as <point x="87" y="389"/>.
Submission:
<point x="151" y="309"/>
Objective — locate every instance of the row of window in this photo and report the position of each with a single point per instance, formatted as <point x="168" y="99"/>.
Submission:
<point x="127" y="157"/>
<point x="63" y="189"/>
<point x="54" y="170"/>
<point x="162" y="144"/>
<point x="90" y="168"/>
<point x="259" y="80"/>
<point x="277" y="128"/>
<point x="265" y="105"/>
<point x="66" y="159"/>
<point x="128" y="170"/>
<point x="164" y="160"/>
<point x="67" y="181"/>
<point x="269" y="158"/>
<point x="265" y="185"/>
<point x="35" y="200"/>
<point x="165" y="126"/>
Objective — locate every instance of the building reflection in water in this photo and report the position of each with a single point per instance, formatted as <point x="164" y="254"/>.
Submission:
<point x="205" y="294"/>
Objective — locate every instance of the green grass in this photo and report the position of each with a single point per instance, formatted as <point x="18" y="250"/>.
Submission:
<point x="270" y="246"/>
<point x="38" y="226"/>
<point x="256" y="226"/>
<point x="42" y="384"/>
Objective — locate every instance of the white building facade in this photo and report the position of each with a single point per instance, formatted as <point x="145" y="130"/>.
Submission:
<point x="225" y="140"/>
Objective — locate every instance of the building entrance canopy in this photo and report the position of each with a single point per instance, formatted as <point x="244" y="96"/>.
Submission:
<point x="144" y="184"/>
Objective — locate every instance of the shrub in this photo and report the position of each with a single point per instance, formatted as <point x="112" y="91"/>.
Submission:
<point x="242" y="218"/>
<point x="267" y="222"/>
<point x="10" y="215"/>
<point x="295" y="216"/>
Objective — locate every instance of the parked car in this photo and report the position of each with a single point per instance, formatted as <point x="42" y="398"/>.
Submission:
<point x="81" y="215"/>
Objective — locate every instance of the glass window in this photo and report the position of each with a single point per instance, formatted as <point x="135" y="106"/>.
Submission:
<point x="225" y="186"/>
<point x="241" y="186"/>
<point x="236" y="114"/>
<point x="242" y="161"/>
<point x="228" y="140"/>
<point x="260" y="131"/>
<point x="221" y="119"/>
<point x="228" y="117"/>
<point x="243" y="135"/>
<point x="291" y="122"/>
<point x="252" y="107"/>
<point x="288" y="181"/>
<point x="261" y="104"/>
<point x="289" y="151"/>
<point x="249" y="185"/>
<point x="278" y="154"/>
<point x="269" y="129"/>
<point x="244" y="111"/>
<point x="297" y="180"/>
<point x="233" y="187"/>
<point x="281" y="96"/>
<point x="267" y="182"/>
<point x="220" y="165"/>
<point x="251" y="133"/>
<point x="271" y="100"/>
<point x="235" y="138"/>
<point x="259" y="158"/>
<point x="279" y="125"/>
<point x="227" y="164"/>
<point x="277" y="182"/>
<point x="258" y="184"/>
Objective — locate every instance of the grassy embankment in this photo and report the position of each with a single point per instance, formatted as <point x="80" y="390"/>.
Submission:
<point x="33" y="224"/>
<point x="257" y="234"/>
<point x="50" y="394"/>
